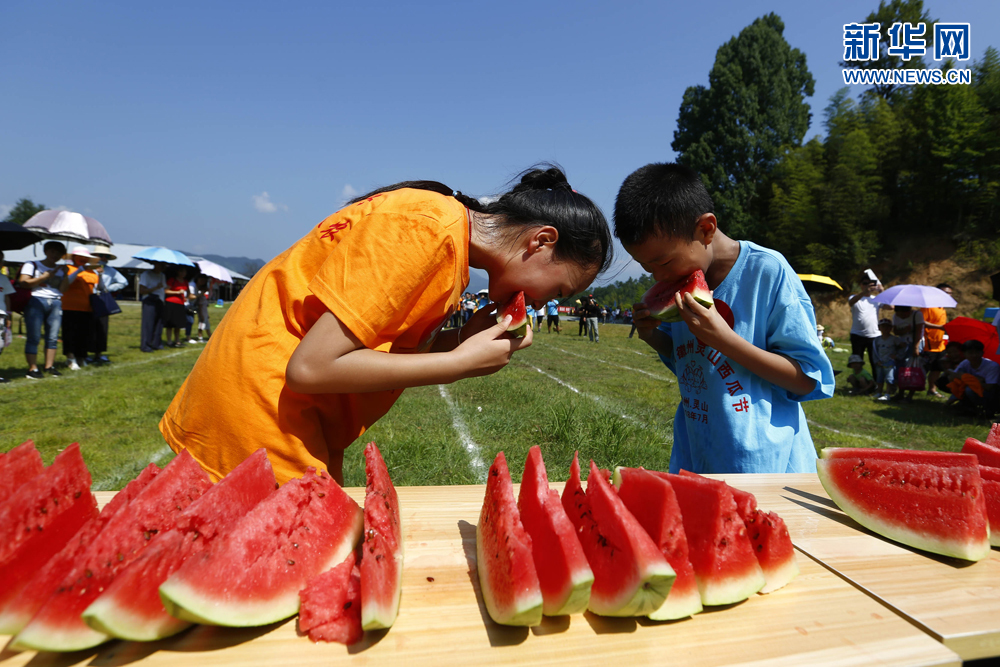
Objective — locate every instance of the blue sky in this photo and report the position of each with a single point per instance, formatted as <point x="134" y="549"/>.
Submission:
<point x="232" y="128"/>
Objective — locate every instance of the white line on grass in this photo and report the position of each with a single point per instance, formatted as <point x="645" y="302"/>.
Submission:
<point x="464" y="436"/>
<point x="855" y="435"/>
<point x="627" y="368"/>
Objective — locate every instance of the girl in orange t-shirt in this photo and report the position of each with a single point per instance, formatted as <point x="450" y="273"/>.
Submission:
<point x="320" y="344"/>
<point x="77" y="313"/>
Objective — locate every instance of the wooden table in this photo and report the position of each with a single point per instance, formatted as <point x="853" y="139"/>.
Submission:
<point x="954" y="601"/>
<point x="818" y="619"/>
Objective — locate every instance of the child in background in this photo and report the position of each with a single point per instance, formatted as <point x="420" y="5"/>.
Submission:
<point x="744" y="365"/>
<point x="861" y="381"/>
<point x="953" y="356"/>
<point x="324" y="338"/>
<point x="974" y="382"/>
<point x="887" y="348"/>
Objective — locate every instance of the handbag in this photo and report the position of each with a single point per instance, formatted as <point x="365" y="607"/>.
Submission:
<point x="911" y="376"/>
<point x="103" y="304"/>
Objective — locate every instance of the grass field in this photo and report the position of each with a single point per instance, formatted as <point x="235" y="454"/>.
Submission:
<point x="613" y="401"/>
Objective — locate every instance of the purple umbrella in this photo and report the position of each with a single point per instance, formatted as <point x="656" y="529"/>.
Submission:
<point x="68" y="225"/>
<point x="917" y="296"/>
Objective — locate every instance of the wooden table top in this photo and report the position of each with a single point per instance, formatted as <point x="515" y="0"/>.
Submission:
<point x="955" y="601"/>
<point x="818" y="619"/>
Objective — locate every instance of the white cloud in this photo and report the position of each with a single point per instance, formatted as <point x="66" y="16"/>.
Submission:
<point x="5" y="210"/>
<point x="263" y="203"/>
<point x="347" y="194"/>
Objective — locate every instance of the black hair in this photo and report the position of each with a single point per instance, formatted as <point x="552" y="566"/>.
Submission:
<point x="974" y="345"/>
<point x="660" y="198"/>
<point x="943" y="285"/>
<point x="954" y="343"/>
<point x="49" y="244"/>
<point x="541" y="196"/>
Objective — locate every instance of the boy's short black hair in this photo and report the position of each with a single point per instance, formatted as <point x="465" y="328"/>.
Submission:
<point x="973" y="345"/>
<point x="954" y="343"/>
<point x="660" y="198"/>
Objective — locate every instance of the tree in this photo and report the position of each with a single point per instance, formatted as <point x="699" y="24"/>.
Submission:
<point x="23" y="210"/>
<point x="733" y="132"/>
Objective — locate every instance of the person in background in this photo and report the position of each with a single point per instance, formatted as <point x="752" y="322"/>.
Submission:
<point x="864" y="320"/>
<point x="933" y="354"/>
<point x="77" y="313"/>
<point x="152" y="284"/>
<point x="111" y="281"/>
<point x="44" y="278"/>
<point x="974" y="381"/>
<point x="529" y="312"/>
<point x="887" y="348"/>
<point x="908" y="326"/>
<point x="468" y="306"/>
<point x="6" y="289"/>
<point x="953" y="356"/>
<point x="189" y="311"/>
<point x="580" y="311"/>
<point x="860" y="380"/>
<point x="202" y="296"/>
<point x="592" y="312"/>
<point x="552" y="309"/>
<point x="175" y="305"/>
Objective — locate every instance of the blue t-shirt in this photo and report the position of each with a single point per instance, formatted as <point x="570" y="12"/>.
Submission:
<point x="553" y="307"/>
<point x="730" y="420"/>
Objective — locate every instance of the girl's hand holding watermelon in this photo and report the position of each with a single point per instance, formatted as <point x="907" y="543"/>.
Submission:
<point x="490" y="350"/>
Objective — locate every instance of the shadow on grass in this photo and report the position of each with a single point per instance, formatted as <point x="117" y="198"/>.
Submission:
<point x="843" y="519"/>
<point x="499" y="635"/>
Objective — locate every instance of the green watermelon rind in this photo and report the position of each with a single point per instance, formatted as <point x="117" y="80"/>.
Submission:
<point x="956" y="549"/>
<point x="779" y="577"/>
<point x="677" y="606"/>
<point x="526" y="611"/>
<point x="579" y="595"/>
<point x="57" y="640"/>
<point x="103" y="615"/>
<point x="672" y="314"/>
<point x="375" y="616"/>
<point x="183" y="601"/>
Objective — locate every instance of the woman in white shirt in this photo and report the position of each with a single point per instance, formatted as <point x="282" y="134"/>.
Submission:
<point x="45" y="279"/>
<point x="151" y="290"/>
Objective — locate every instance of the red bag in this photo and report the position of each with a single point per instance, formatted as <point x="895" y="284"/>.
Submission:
<point x="911" y="377"/>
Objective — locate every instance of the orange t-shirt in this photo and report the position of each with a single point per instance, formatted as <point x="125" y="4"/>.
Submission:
<point x="392" y="268"/>
<point x="77" y="295"/>
<point x="934" y="338"/>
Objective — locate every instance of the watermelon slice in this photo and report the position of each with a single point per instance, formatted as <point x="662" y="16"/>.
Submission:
<point x="58" y="626"/>
<point x="130" y="608"/>
<point x="653" y="503"/>
<point x="40" y="517"/>
<point x="507" y="573"/>
<point x="631" y="576"/>
<point x="518" y="313"/>
<point x="945" y="459"/>
<point x="993" y="439"/>
<point x="18" y="466"/>
<point x="382" y="554"/>
<point x="769" y="536"/>
<point x="934" y="508"/>
<point x="659" y="299"/>
<point x="564" y="575"/>
<point x="991" y="489"/>
<point x="252" y="575"/>
<point x="330" y="605"/>
<point x="16" y="613"/>
<point x="987" y="456"/>
<point x="723" y="559"/>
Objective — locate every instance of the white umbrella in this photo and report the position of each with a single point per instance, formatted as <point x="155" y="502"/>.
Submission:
<point x="916" y="296"/>
<point x="68" y="225"/>
<point x="213" y="270"/>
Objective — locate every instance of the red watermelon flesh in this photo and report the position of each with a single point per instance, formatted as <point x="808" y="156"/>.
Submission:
<point x="252" y="575"/>
<point x="507" y="575"/>
<point x="659" y="299"/>
<point x="518" y="313"/>
<point x="945" y="459"/>
<point x="130" y="608"/>
<point x="18" y="466"/>
<point x="934" y="508"/>
<point x="58" y="625"/>
<point x="564" y="575"/>
<point x="721" y="553"/>
<point x="17" y="612"/>
<point x="382" y="553"/>
<point x="330" y="604"/>
<point x="993" y="439"/>
<point x="991" y="489"/>
<point x="769" y="536"/>
<point x="987" y="456"/>
<point x="39" y="519"/>
<point x="653" y="503"/>
<point x="631" y="576"/>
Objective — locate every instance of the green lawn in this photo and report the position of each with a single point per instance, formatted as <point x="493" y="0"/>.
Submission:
<point x="613" y="401"/>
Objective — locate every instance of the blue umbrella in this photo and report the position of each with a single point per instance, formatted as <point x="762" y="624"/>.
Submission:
<point x="165" y="255"/>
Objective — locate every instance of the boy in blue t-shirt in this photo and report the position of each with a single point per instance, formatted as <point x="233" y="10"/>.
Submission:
<point x="743" y="366"/>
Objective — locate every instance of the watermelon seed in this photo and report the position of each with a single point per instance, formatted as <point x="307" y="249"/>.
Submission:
<point x="88" y="573"/>
<point x="347" y="605"/>
<point x="387" y="504"/>
<point x="723" y="542"/>
<point x="431" y="579"/>
<point x="76" y="495"/>
<point x="321" y="494"/>
<point x="760" y="547"/>
<point x="43" y="510"/>
<point x="39" y="529"/>
<point x="295" y="545"/>
<point x="27" y="529"/>
<point x="55" y="501"/>
<point x="291" y="562"/>
<point x="146" y="534"/>
<point x="121" y="557"/>
<point x="378" y="557"/>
